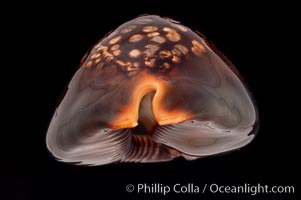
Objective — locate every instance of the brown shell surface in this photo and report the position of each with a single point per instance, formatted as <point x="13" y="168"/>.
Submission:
<point x="159" y="73"/>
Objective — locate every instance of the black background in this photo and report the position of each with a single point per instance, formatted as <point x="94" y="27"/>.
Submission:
<point x="47" y="44"/>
